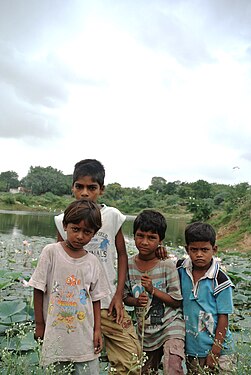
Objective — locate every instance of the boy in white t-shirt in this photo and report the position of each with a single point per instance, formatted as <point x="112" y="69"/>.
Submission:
<point x="108" y="245"/>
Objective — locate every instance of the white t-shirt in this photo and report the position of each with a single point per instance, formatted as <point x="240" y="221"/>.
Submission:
<point x="103" y="245"/>
<point x="70" y="286"/>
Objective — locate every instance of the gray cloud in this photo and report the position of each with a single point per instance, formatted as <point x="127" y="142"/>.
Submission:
<point x="28" y="24"/>
<point x="21" y="120"/>
<point x="28" y="91"/>
<point x="238" y="138"/>
<point x="30" y="87"/>
<point x="187" y="30"/>
<point x="246" y="156"/>
<point x="35" y="85"/>
<point x="36" y="82"/>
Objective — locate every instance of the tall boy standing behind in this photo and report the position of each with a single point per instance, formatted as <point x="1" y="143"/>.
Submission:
<point x="109" y="246"/>
<point x="207" y="302"/>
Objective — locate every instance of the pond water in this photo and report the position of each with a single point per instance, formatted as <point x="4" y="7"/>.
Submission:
<point x="24" y="234"/>
<point x="22" y="223"/>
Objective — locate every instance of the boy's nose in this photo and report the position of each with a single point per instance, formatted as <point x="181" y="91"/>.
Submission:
<point x="84" y="193"/>
<point x="145" y="240"/>
<point x="199" y="252"/>
<point x="80" y="234"/>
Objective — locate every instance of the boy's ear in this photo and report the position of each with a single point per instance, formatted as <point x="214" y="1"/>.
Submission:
<point x="186" y="247"/>
<point x="215" y="248"/>
<point x="64" y="226"/>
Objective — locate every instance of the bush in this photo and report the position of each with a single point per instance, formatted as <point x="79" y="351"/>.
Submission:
<point x="8" y="199"/>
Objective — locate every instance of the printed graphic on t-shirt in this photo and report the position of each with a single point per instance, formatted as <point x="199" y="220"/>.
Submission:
<point x="154" y="311"/>
<point x="99" y="246"/>
<point x="206" y="322"/>
<point x="64" y="302"/>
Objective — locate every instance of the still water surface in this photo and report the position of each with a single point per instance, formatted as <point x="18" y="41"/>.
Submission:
<point x="29" y="224"/>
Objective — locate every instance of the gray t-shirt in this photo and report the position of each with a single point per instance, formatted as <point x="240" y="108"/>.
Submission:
<point x="70" y="286"/>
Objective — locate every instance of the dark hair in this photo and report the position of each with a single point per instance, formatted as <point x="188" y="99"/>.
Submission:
<point x="89" y="167"/>
<point x="200" y="232"/>
<point x="150" y="220"/>
<point x="83" y="209"/>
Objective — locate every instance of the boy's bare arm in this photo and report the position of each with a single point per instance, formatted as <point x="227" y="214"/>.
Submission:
<point x="117" y="303"/>
<point x="38" y="312"/>
<point x="97" y="336"/>
<point x="220" y="333"/>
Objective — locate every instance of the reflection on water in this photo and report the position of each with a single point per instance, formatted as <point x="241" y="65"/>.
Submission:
<point x="27" y="224"/>
<point x="16" y="223"/>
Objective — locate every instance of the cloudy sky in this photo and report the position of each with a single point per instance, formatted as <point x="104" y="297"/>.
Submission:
<point x="149" y="88"/>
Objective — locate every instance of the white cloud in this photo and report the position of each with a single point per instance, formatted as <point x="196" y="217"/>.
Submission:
<point x="149" y="88"/>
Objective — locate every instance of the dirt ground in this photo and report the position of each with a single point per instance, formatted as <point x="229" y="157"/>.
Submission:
<point x="244" y="245"/>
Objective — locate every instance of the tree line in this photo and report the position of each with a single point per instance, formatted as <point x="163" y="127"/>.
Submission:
<point x="199" y="198"/>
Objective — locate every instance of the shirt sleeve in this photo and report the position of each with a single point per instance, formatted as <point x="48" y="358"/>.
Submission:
<point x="99" y="286"/>
<point x="224" y="301"/>
<point x="59" y="225"/>
<point x="39" y="277"/>
<point x="172" y="280"/>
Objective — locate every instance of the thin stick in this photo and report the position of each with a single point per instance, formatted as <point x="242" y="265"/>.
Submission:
<point x="142" y="336"/>
<point x="142" y="339"/>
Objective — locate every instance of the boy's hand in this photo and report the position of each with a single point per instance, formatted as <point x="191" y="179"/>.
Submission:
<point x="161" y="252"/>
<point x="212" y="361"/>
<point x="146" y="282"/>
<point x="97" y="341"/>
<point x="39" y="331"/>
<point x="142" y="300"/>
<point x="116" y="309"/>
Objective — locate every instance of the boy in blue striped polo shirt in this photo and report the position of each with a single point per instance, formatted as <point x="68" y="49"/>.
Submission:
<point x="207" y="302"/>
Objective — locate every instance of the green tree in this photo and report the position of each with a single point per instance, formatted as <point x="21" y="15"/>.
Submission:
<point x="8" y="180"/>
<point x="201" y="189"/>
<point x="42" y="180"/>
<point x="158" y="184"/>
<point x="201" y="208"/>
<point x="185" y="190"/>
<point x="172" y="188"/>
<point x="241" y="189"/>
<point x="113" y="192"/>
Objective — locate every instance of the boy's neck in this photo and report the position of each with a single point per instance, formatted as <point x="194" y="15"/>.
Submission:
<point x="146" y="263"/>
<point x="71" y="251"/>
<point x="198" y="273"/>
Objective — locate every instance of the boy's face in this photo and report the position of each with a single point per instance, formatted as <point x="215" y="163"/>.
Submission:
<point x="85" y="187"/>
<point x="79" y="234"/>
<point x="146" y="243"/>
<point x="201" y="254"/>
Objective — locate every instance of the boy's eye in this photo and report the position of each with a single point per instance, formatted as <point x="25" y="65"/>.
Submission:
<point x="149" y="238"/>
<point x="88" y="232"/>
<point x="203" y="250"/>
<point x="152" y="238"/>
<point x="75" y="229"/>
<point x="139" y="235"/>
<point x="78" y="186"/>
